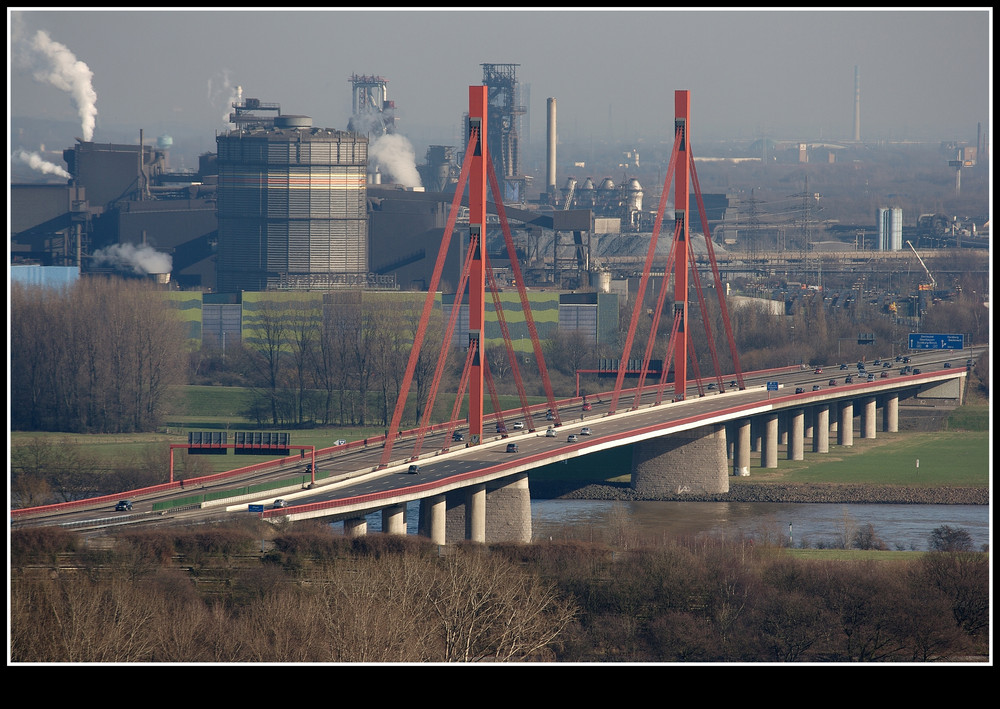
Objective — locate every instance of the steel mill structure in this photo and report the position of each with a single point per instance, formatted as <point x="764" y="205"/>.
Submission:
<point x="292" y="207"/>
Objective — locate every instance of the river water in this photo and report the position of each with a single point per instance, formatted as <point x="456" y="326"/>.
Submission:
<point x="900" y="527"/>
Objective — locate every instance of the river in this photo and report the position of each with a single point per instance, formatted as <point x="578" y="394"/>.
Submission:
<point x="901" y="527"/>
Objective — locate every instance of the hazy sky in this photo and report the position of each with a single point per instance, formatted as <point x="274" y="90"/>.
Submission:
<point x="925" y="74"/>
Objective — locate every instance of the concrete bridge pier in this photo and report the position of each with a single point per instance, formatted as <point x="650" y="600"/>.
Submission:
<point x="890" y="414"/>
<point x="769" y="442"/>
<point x="687" y="462"/>
<point x="796" y="432"/>
<point x="499" y="511"/>
<point x="432" y="519"/>
<point x="394" y="519"/>
<point x="356" y="527"/>
<point x="741" y="448"/>
<point x="821" y="439"/>
<point x="868" y="417"/>
<point x="845" y="427"/>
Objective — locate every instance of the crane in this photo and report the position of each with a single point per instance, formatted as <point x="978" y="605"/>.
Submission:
<point x="926" y="270"/>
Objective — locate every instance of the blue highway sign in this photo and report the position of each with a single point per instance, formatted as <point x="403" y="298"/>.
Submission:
<point x="936" y="341"/>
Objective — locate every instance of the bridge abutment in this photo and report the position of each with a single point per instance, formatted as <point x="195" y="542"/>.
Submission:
<point x="692" y="461"/>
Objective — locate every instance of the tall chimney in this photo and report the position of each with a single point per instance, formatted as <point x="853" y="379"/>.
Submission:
<point x="857" y="104"/>
<point x="550" y="156"/>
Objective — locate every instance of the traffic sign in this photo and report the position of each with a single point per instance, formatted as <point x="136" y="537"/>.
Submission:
<point x="772" y="386"/>
<point x="255" y="508"/>
<point x="936" y="341"/>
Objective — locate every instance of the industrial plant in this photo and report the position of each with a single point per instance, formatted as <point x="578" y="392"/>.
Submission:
<point x="284" y="205"/>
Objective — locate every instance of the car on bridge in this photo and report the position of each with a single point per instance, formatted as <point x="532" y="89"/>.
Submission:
<point x="413" y="469"/>
<point x="123" y="506"/>
<point x="512" y="448"/>
<point x="457" y="436"/>
<point x="884" y="374"/>
<point x="550" y="433"/>
<point x="832" y="382"/>
<point x="278" y="504"/>
<point x="585" y="431"/>
<point x="848" y="379"/>
<point x="916" y="370"/>
<point x="947" y="365"/>
<point x="843" y="367"/>
<point x="818" y="370"/>
<point x="572" y="438"/>
<point x="549" y="416"/>
<point x="799" y="390"/>
<point x="816" y="387"/>
<point x="587" y="406"/>
<point x="518" y="425"/>
<point x="871" y="376"/>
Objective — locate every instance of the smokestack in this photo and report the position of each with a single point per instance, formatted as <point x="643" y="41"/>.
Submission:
<point x="857" y="104"/>
<point x="550" y="164"/>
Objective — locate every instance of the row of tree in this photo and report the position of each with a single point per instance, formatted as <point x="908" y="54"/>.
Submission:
<point x="208" y="595"/>
<point x="98" y="357"/>
<point x="101" y="356"/>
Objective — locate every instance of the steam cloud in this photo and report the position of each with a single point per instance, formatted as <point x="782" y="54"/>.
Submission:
<point x="67" y="73"/>
<point x="37" y="162"/>
<point x="394" y="156"/>
<point x="139" y="259"/>
<point x="221" y="90"/>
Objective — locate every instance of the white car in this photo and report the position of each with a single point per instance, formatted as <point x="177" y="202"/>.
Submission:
<point x="550" y="433"/>
<point x="518" y="425"/>
<point x="572" y="438"/>
<point x="585" y="431"/>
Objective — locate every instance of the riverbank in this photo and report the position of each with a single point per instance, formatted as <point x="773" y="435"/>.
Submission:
<point x="740" y="491"/>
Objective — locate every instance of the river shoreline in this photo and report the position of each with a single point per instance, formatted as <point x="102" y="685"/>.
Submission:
<point x="773" y="492"/>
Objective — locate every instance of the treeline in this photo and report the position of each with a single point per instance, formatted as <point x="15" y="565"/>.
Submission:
<point x="213" y="595"/>
<point x="97" y="357"/>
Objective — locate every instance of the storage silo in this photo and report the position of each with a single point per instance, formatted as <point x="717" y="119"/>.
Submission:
<point x="292" y="207"/>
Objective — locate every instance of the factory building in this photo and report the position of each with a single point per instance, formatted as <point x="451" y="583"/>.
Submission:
<point x="292" y="210"/>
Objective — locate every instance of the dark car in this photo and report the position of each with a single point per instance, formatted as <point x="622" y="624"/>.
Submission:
<point x="123" y="506"/>
<point x="711" y="386"/>
<point x="818" y="370"/>
<point x="512" y="448"/>
<point x="871" y="376"/>
<point x="916" y="370"/>
<point x="969" y="363"/>
<point x="550" y="416"/>
<point x="884" y="374"/>
<point x="887" y="364"/>
<point x="414" y="469"/>
<point x="309" y="467"/>
<point x="947" y="365"/>
<point x="457" y="436"/>
<point x="799" y="390"/>
<point x="816" y="387"/>
<point x="843" y="367"/>
<point x="848" y="379"/>
<point x="587" y="407"/>
<point x="906" y="360"/>
<point x="832" y="382"/>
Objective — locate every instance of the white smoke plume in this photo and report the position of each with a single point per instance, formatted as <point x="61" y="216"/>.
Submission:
<point x="139" y="259"/>
<point x="393" y="155"/>
<point x="67" y="73"/>
<point x="221" y="90"/>
<point x="37" y="162"/>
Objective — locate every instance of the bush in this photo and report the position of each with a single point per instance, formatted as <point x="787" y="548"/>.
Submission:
<point x="947" y="538"/>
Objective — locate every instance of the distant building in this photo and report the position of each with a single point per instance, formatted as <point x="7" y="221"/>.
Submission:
<point x="890" y="229"/>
